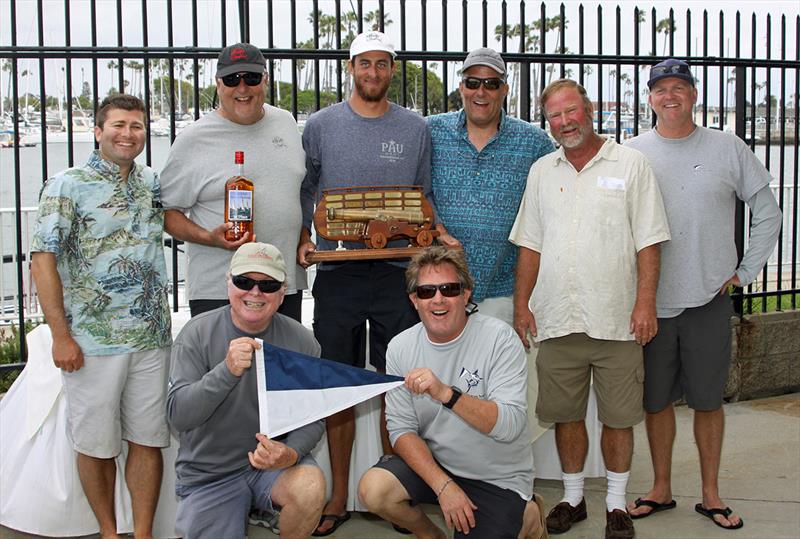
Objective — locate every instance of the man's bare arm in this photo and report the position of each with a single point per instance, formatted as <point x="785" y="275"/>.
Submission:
<point x="527" y="273"/>
<point x="67" y="355"/>
<point x="181" y="227"/>
<point x="644" y="324"/>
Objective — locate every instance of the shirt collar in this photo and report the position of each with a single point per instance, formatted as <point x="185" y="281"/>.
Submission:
<point x="608" y="151"/>
<point x="108" y="168"/>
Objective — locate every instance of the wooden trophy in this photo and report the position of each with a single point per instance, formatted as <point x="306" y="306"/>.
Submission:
<point x="373" y="216"/>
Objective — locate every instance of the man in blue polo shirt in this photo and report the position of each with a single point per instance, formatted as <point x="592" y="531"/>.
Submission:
<point x="481" y="158"/>
<point x="479" y="169"/>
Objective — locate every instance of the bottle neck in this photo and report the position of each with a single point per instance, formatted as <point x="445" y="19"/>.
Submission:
<point x="240" y="169"/>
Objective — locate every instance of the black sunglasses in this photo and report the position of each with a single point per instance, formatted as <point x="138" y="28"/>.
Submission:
<point x="473" y="83"/>
<point x="250" y="79"/>
<point x="448" y="290"/>
<point x="670" y="70"/>
<point x="267" y="286"/>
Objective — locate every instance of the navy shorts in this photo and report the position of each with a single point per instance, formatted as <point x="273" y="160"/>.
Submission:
<point x="499" y="513"/>
<point x="690" y="357"/>
<point x="346" y="297"/>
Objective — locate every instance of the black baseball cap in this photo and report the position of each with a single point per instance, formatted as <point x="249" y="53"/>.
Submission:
<point x="238" y="58"/>
<point x="670" y="68"/>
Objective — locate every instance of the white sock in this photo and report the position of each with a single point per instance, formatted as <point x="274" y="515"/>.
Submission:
<point x="615" y="495"/>
<point x="573" y="487"/>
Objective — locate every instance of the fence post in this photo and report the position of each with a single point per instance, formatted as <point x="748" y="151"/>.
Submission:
<point x="740" y="218"/>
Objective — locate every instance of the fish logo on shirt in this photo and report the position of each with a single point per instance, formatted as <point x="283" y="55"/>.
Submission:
<point x="472" y="378"/>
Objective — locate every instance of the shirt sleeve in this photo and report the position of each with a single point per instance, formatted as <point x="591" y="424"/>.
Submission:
<point x="646" y="211"/>
<point x="194" y="393"/>
<point x="308" y="189"/>
<point x="177" y="188"/>
<point x="507" y="388"/>
<point x="766" y="225"/>
<point x="55" y="216"/>
<point x="304" y="439"/>
<point x="424" y="172"/>
<point x="400" y="416"/>
<point x="527" y="230"/>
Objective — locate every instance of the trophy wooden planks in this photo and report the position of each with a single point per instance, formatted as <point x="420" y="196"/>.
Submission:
<point x="373" y="216"/>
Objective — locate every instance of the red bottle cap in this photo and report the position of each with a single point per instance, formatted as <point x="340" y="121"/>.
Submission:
<point x="239" y="158"/>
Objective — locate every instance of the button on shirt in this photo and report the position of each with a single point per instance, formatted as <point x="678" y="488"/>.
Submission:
<point x="478" y="193"/>
<point x="588" y="227"/>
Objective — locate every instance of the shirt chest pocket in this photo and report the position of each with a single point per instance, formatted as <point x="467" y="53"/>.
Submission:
<point x="609" y="206"/>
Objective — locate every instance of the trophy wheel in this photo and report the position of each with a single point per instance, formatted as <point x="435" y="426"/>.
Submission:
<point x="377" y="241"/>
<point x="424" y="238"/>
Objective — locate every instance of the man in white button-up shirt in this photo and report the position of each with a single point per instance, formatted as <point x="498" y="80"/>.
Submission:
<point x="588" y="230"/>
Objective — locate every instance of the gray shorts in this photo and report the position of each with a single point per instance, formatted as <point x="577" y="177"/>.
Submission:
<point x="115" y="398"/>
<point x="219" y="509"/>
<point x="690" y="356"/>
<point x="499" y="513"/>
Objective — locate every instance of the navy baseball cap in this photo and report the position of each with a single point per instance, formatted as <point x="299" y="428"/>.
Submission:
<point x="670" y="68"/>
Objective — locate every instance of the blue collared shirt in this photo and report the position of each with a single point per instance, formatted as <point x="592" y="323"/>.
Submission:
<point x="478" y="193"/>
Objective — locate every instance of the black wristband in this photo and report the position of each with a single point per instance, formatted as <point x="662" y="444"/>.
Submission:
<point x="454" y="399"/>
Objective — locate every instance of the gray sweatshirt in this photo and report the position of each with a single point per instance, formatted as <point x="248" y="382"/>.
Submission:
<point x="214" y="412"/>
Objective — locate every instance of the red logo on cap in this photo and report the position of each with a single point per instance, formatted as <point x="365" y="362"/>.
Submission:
<point x="238" y="54"/>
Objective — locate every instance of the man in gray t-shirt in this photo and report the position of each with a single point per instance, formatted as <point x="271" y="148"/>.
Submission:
<point x="202" y="159"/>
<point x="364" y="141"/>
<point x="701" y="173"/>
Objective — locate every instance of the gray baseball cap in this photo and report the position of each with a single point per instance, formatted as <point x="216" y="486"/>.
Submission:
<point x="485" y="57"/>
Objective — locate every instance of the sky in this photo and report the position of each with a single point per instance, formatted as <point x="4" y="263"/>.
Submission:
<point x="210" y="34"/>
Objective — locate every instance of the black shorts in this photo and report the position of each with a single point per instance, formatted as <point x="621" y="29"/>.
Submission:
<point x="690" y="356"/>
<point x="499" y="513"/>
<point x="346" y="297"/>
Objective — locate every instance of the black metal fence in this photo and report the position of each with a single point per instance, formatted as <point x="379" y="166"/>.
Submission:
<point x="164" y="51"/>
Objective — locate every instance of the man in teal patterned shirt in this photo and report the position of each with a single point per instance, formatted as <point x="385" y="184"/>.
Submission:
<point x="99" y="268"/>
<point x="479" y="167"/>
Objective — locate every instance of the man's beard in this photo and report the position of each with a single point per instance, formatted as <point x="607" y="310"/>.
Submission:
<point x="376" y="96"/>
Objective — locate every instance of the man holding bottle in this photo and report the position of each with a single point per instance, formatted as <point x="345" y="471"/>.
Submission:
<point x="200" y="162"/>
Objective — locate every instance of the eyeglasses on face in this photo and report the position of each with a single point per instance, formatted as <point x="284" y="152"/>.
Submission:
<point x="670" y="70"/>
<point x="250" y="79"/>
<point x="473" y="83"/>
<point x="267" y="286"/>
<point x="448" y="290"/>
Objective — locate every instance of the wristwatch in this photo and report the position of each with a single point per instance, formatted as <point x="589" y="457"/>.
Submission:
<point x="454" y="399"/>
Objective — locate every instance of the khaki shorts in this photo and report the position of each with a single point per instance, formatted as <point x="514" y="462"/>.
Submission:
<point x="566" y="365"/>
<point x="115" y="398"/>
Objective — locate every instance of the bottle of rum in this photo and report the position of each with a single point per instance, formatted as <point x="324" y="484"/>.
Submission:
<point x="239" y="203"/>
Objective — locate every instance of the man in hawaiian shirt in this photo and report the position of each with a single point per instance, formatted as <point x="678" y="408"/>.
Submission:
<point x="99" y="268"/>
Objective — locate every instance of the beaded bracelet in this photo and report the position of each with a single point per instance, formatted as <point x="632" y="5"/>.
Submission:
<point x="449" y="480"/>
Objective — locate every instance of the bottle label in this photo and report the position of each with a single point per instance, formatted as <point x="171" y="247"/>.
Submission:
<point x="240" y="205"/>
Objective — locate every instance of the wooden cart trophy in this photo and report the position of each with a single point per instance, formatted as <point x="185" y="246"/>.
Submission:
<point x="374" y="216"/>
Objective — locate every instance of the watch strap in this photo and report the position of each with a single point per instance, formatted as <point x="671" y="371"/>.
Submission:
<point x="456" y="395"/>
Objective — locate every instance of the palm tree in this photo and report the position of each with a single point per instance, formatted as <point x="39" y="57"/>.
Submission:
<point x="372" y="18"/>
<point x="666" y="27"/>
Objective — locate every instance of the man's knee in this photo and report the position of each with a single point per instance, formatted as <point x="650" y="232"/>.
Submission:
<point x="379" y="488"/>
<point x="302" y="487"/>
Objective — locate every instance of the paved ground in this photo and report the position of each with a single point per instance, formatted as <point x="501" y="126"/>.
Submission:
<point x="760" y="479"/>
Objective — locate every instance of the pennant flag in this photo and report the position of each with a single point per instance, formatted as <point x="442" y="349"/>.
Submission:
<point x="295" y="389"/>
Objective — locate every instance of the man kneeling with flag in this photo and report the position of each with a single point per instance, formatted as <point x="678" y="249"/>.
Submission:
<point x="458" y="425"/>
<point x="224" y="464"/>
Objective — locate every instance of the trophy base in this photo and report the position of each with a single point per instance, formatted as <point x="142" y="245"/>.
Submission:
<point x="392" y="253"/>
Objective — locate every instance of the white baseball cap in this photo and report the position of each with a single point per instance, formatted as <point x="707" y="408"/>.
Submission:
<point x="371" y="41"/>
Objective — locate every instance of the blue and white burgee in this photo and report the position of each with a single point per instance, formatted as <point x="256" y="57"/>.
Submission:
<point x="295" y="389"/>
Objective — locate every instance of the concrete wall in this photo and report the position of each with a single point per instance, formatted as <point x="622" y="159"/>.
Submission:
<point x="765" y="355"/>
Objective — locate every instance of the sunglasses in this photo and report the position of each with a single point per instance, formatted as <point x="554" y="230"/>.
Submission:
<point x="250" y="79"/>
<point x="267" y="286"/>
<point x="670" y="70"/>
<point x="473" y="83"/>
<point x="448" y="290"/>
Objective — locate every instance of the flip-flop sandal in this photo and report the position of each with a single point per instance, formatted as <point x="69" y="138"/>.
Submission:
<point x="653" y="505"/>
<point x="711" y="513"/>
<point x="337" y="520"/>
